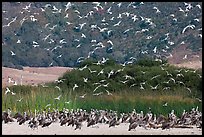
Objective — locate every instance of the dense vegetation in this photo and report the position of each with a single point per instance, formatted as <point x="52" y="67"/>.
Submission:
<point x="125" y="96"/>
<point x="130" y="39"/>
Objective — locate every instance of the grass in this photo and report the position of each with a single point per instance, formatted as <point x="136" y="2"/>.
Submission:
<point x="123" y="101"/>
<point x="125" y="98"/>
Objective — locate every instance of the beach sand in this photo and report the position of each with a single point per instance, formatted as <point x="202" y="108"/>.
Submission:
<point x="99" y="129"/>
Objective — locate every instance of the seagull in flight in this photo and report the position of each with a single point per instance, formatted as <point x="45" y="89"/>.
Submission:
<point x="47" y="105"/>
<point x="154" y="87"/>
<point x="12" y="93"/>
<point x="188" y="89"/>
<point x="7" y="90"/>
<point x="58" y="98"/>
<point x="58" y="88"/>
<point x="165" y="105"/>
<point x="97" y="94"/>
<point x="19" y="100"/>
<point x="109" y="93"/>
<point x="83" y="96"/>
<point x="85" y="80"/>
<point x="12" y="53"/>
<point x="75" y="86"/>
<point x="109" y="41"/>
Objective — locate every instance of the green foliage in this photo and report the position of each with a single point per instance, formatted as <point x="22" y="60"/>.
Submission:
<point x="125" y="96"/>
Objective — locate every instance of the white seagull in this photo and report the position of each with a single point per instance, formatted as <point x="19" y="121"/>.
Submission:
<point x="12" y="53"/>
<point x="75" y="86"/>
<point x="58" y="98"/>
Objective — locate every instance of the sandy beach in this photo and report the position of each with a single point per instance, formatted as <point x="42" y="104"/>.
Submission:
<point x="99" y="129"/>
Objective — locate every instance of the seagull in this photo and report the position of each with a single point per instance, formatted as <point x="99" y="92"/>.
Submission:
<point x="117" y="24"/>
<point x="57" y="98"/>
<point x="51" y="64"/>
<point x="66" y="16"/>
<point x="58" y="88"/>
<point x="155" y="50"/>
<point x="19" y="100"/>
<point x="185" y="57"/>
<point x="68" y="5"/>
<point x="198" y="6"/>
<point x="83" y="68"/>
<point x="157" y="10"/>
<point x="67" y="102"/>
<point x="85" y="80"/>
<point x="97" y="94"/>
<point x="7" y="90"/>
<point x="75" y="86"/>
<point x="178" y="75"/>
<point x="168" y="74"/>
<point x="165" y="88"/>
<point x="47" y="105"/>
<point x="19" y="41"/>
<point x="110" y="73"/>
<point x="83" y="35"/>
<point x="12" y="53"/>
<point x="165" y="105"/>
<point x="189" y="26"/>
<point x="105" y="85"/>
<point x="188" y="89"/>
<point x="181" y="9"/>
<point x="133" y="85"/>
<point x="124" y="81"/>
<point x="59" y="56"/>
<point x="97" y="88"/>
<point x="109" y="93"/>
<point x="154" y="87"/>
<point x="92" y="71"/>
<point x="83" y="96"/>
<point x="198" y="99"/>
<point x="173" y="80"/>
<point x="12" y="93"/>
<point x="101" y="72"/>
<point x="109" y="41"/>
<point x="155" y="77"/>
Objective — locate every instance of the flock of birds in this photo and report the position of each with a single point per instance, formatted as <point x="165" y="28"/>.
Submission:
<point x="176" y="78"/>
<point x="79" y="118"/>
<point x="101" y="21"/>
<point x="102" y="36"/>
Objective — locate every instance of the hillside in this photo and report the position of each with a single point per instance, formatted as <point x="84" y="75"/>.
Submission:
<point x="42" y="34"/>
<point x="31" y="75"/>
